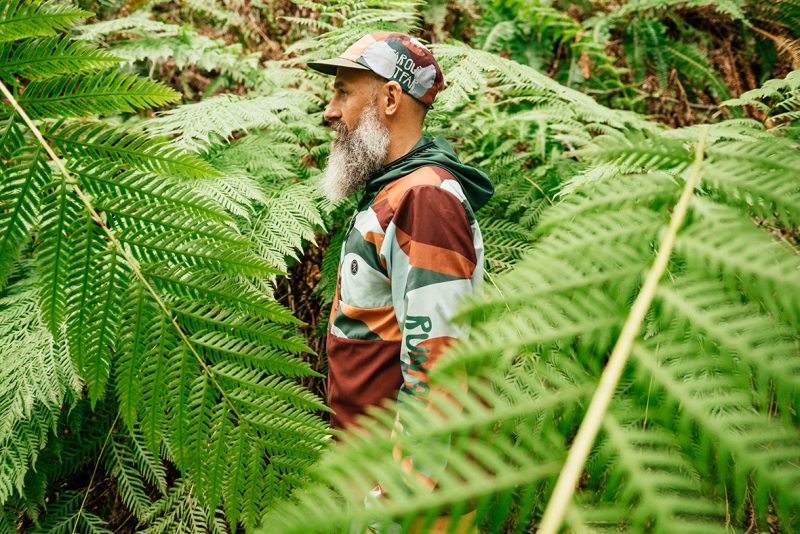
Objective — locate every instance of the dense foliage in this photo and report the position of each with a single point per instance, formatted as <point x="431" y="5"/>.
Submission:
<point x="157" y="374"/>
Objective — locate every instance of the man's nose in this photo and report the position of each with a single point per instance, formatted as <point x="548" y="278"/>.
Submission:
<point x="331" y="113"/>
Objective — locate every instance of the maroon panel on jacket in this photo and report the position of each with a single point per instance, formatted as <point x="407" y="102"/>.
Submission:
<point x="434" y="216"/>
<point x="361" y="373"/>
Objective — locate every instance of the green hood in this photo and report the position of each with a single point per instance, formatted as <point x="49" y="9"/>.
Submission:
<point x="428" y="151"/>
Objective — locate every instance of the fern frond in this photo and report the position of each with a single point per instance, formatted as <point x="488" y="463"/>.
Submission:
<point x="215" y="119"/>
<point x="773" y="91"/>
<point x="36" y="379"/>
<point x="111" y="182"/>
<point x="734" y="440"/>
<point x="160" y="340"/>
<point x="220" y="290"/>
<point x="661" y="486"/>
<point x="288" y="218"/>
<point x="59" y="215"/>
<point x="724" y="244"/>
<point x="11" y="138"/>
<point x="202" y="317"/>
<point x="739" y="332"/>
<point x="23" y="181"/>
<point x="67" y="516"/>
<point x="95" y="311"/>
<point x="92" y="142"/>
<point x="51" y="56"/>
<point x="139" y="311"/>
<point x="757" y="176"/>
<point x="656" y="188"/>
<point x="180" y="512"/>
<point x="139" y="21"/>
<point x="217" y="346"/>
<point x="122" y="466"/>
<point x="149" y="465"/>
<point x="506" y="242"/>
<point x="101" y="93"/>
<point x="243" y="486"/>
<point x="458" y="423"/>
<point x="274" y="386"/>
<point x="21" y="19"/>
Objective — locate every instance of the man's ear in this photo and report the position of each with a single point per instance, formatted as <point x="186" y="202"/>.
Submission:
<point x="392" y="95"/>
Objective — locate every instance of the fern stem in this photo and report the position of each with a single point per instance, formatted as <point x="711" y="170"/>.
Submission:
<point x="590" y="426"/>
<point x="132" y="263"/>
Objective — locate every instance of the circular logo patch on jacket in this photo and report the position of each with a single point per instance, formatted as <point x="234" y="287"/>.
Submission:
<point x="354" y="267"/>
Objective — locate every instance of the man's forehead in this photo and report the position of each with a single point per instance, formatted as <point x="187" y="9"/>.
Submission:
<point x="350" y="77"/>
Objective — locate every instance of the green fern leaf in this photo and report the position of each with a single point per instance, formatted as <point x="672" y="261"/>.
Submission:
<point x="662" y="497"/>
<point x="215" y="119"/>
<point x="727" y="245"/>
<point x="54" y="254"/>
<point x="220" y="290"/>
<point x="138" y="313"/>
<point x="734" y="439"/>
<point x="181" y="511"/>
<point x="51" y="56"/>
<point x="161" y="340"/>
<point x="739" y="331"/>
<point x="22" y="183"/>
<point x="21" y="19"/>
<point x="67" y="516"/>
<point x="182" y="369"/>
<point x="84" y="95"/>
<point x="36" y="379"/>
<point x="11" y="138"/>
<point x="121" y="464"/>
<point x="217" y="346"/>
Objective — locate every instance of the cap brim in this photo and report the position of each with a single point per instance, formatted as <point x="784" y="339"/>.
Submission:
<point x="329" y="66"/>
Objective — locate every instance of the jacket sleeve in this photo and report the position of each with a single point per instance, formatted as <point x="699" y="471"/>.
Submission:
<point x="433" y="267"/>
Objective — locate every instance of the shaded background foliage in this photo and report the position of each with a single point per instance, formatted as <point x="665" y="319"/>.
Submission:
<point x="250" y="119"/>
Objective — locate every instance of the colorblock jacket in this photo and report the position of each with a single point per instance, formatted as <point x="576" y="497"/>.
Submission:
<point x="412" y="251"/>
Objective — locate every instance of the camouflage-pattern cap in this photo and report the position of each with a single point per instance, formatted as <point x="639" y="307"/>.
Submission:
<point x="394" y="57"/>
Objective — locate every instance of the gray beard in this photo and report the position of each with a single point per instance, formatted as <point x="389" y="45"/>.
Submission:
<point x="355" y="155"/>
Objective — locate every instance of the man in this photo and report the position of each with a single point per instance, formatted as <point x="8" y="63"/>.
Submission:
<point x="413" y="249"/>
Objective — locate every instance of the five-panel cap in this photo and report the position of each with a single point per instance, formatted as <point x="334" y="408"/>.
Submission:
<point x="394" y="57"/>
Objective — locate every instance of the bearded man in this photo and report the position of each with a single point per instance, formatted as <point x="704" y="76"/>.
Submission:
<point x="413" y="249"/>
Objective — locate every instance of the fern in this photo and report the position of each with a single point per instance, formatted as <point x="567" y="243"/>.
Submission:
<point x="123" y="244"/>
<point x="781" y="96"/>
<point x="77" y="96"/>
<point x="215" y="119"/>
<point x="66" y="516"/>
<point x="158" y="42"/>
<point x="48" y="56"/>
<point x="37" y="378"/>
<point x="179" y="511"/>
<point x="716" y="360"/>
<point x="21" y="19"/>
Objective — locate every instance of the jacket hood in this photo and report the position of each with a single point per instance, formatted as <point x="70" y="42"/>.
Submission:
<point x="432" y="151"/>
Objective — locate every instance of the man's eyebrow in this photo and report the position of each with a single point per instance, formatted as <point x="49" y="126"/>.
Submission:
<point x="338" y="84"/>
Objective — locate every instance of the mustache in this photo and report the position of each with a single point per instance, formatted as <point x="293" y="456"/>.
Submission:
<point x="339" y="127"/>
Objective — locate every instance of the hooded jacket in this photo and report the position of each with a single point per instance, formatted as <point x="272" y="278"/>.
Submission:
<point x="412" y="251"/>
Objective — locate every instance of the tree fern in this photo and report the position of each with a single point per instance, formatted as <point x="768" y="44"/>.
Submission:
<point x="123" y="244"/>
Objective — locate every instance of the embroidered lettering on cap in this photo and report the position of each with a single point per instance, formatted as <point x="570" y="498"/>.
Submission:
<point x="354" y="267"/>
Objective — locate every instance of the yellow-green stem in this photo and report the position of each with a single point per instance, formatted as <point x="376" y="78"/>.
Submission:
<point x="590" y="426"/>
